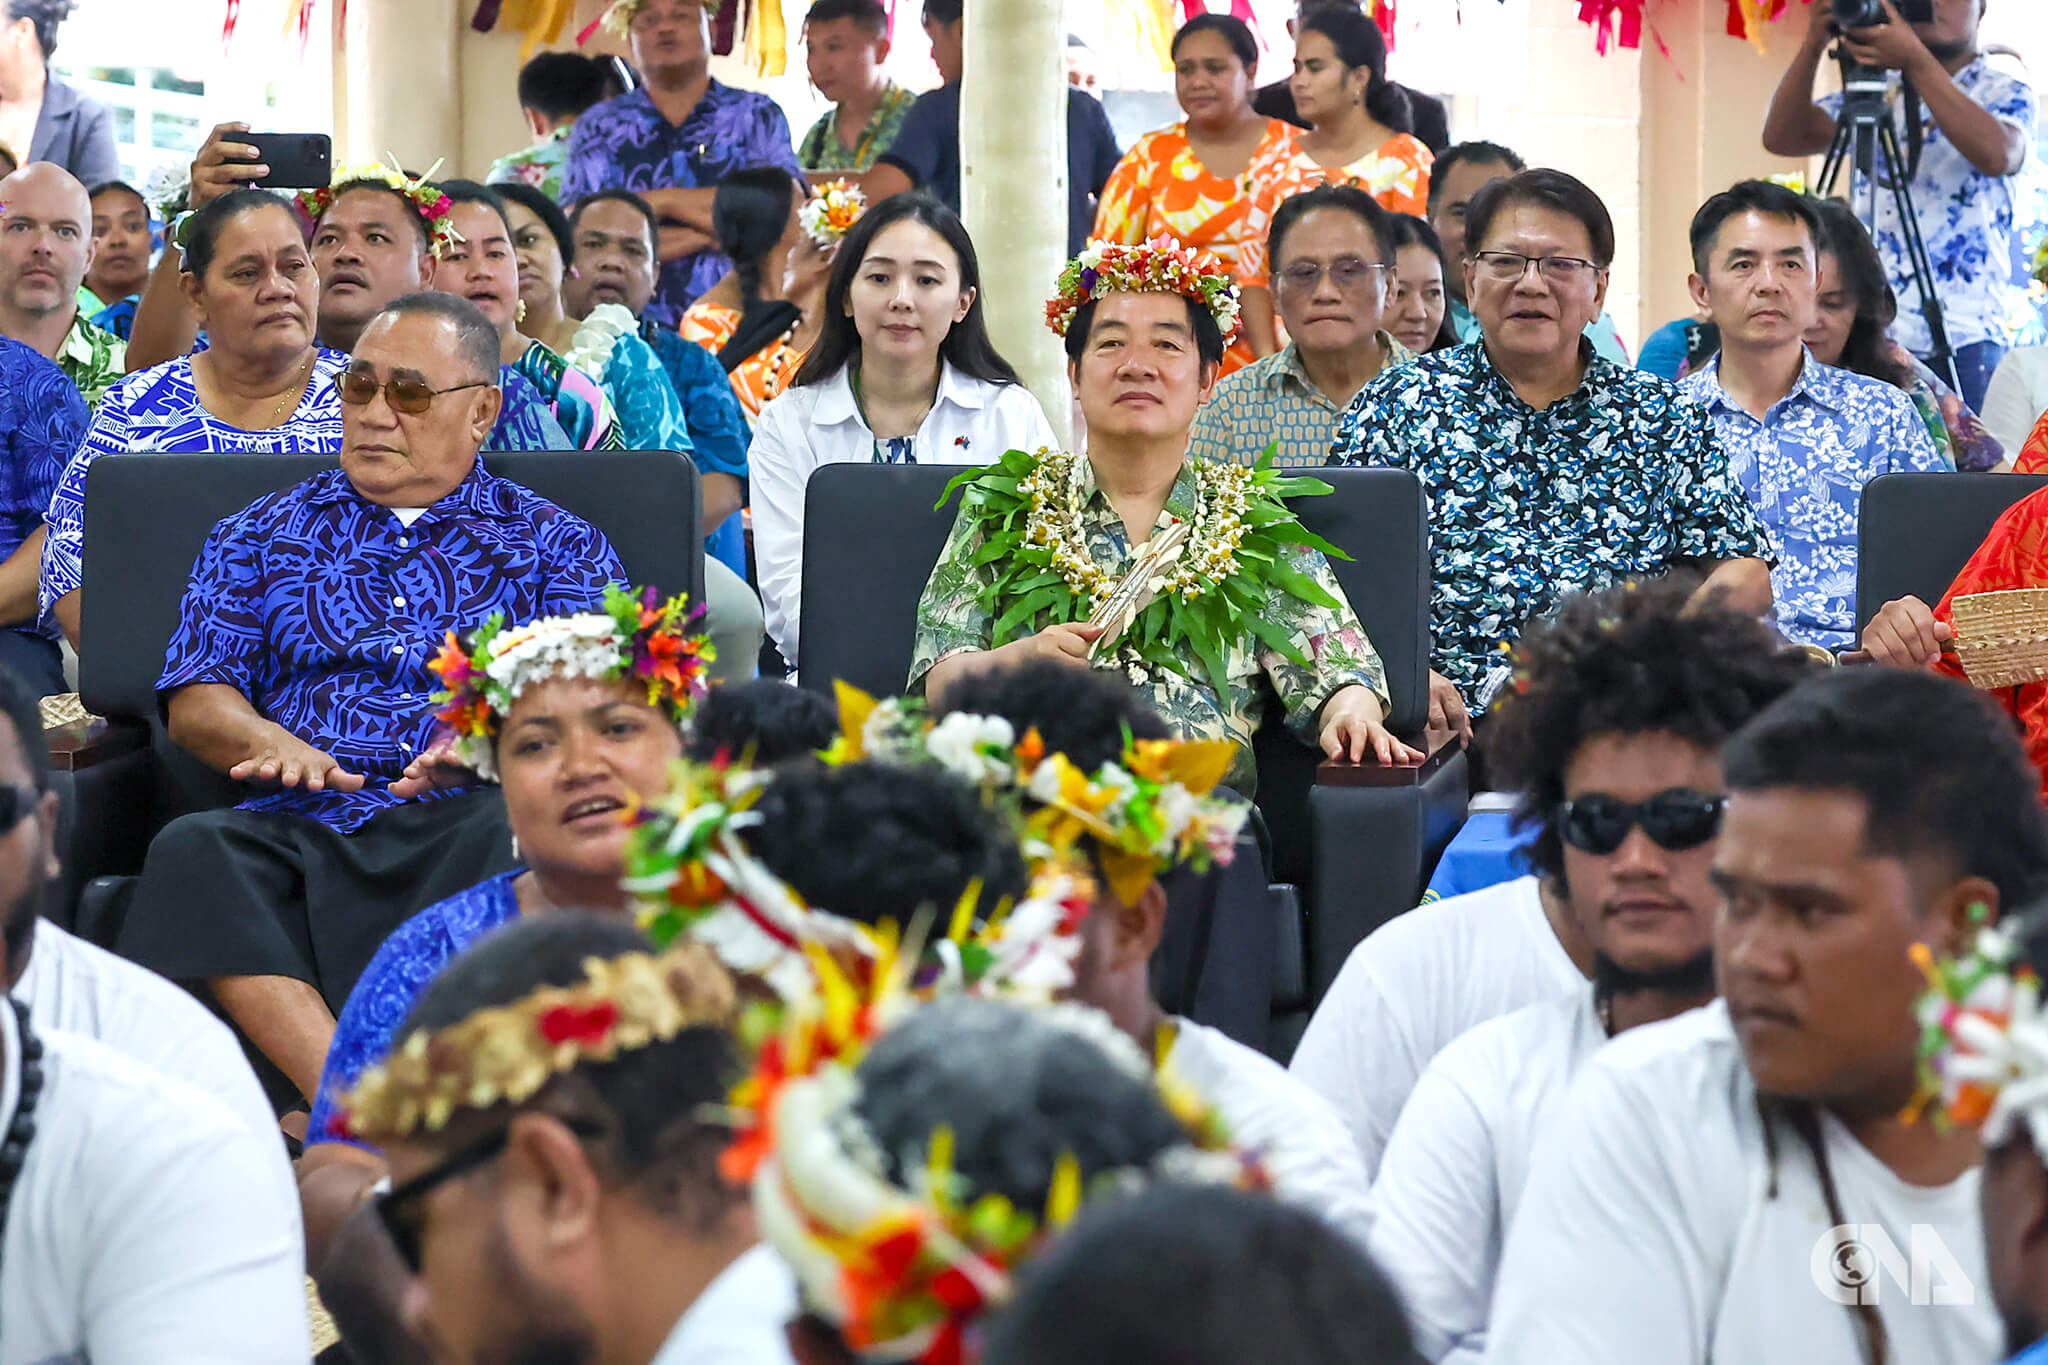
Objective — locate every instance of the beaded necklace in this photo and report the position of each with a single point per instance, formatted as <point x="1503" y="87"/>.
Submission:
<point x="22" y="1128"/>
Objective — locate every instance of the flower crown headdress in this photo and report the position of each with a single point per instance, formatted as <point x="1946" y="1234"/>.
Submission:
<point x="504" y="1054"/>
<point x="1158" y="266"/>
<point x="831" y="211"/>
<point x="435" y="209"/>
<point x="617" y="20"/>
<point x="641" y="638"/>
<point x="903" y="1270"/>
<point x="1146" y="813"/>
<point x="1983" y="1038"/>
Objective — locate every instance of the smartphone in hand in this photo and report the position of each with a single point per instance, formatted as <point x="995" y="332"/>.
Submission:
<point x="297" y="161"/>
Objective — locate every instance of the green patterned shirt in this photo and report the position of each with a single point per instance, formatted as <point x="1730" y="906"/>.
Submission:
<point x="92" y="358"/>
<point x="821" y="149"/>
<point x="951" y="619"/>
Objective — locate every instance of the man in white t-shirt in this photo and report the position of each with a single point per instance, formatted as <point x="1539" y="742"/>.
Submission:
<point x="1085" y="715"/>
<point x="1422" y="980"/>
<point x="1742" y="1184"/>
<point x="585" y="1223"/>
<point x="1614" y="733"/>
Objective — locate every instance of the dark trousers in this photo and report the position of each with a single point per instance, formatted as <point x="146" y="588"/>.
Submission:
<point x="36" y="661"/>
<point x="252" y="893"/>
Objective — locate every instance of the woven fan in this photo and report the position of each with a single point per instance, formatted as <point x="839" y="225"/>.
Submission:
<point x="1135" y="592"/>
<point x="2002" y="637"/>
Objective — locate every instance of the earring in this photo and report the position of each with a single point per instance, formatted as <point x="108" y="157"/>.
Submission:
<point x="519" y="313"/>
<point x="515" y="846"/>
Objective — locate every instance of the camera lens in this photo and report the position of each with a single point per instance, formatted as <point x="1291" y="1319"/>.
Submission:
<point x="1858" y="13"/>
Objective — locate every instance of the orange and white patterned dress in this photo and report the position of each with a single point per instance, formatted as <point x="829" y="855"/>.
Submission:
<point x="1396" y="174"/>
<point x="761" y="376"/>
<point x="1161" y="189"/>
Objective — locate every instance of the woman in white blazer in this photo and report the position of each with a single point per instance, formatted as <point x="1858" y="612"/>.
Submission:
<point x="903" y="371"/>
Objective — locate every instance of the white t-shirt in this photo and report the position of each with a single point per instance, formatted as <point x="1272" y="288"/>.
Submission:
<point x="739" y="1318"/>
<point x="1413" y="985"/>
<point x="1305" y="1147"/>
<point x="971" y="422"/>
<point x="1453" y="1171"/>
<point x="2016" y="397"/>
<point x="1647" y="1230"/>
<point x="135" y="1235"/>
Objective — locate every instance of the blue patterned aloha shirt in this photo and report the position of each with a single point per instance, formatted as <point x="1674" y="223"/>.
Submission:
<point x="719" y="437"/>
<point x="1967" y="218"/>
<point x="951" y="620"/>
<point x="159" y="409"/>
<point x="42" y="420"/>
<point x="392" y="984"/>
<point x="1622" y="478"/>
<point x="626" y="143"/>
<point x="1804" y="466"/>
<point x="323" y="608"/>
<point x="1273" y="401"/>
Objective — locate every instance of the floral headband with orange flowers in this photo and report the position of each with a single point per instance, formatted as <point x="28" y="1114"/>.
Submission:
<point x="505" y="1054"/>
<point x="831" y="211"/>
<point x="435" y="209"/>
<point x="639" y="638"/>
<point x="1160" y="266"/>
<point x="1984" y="1040"/>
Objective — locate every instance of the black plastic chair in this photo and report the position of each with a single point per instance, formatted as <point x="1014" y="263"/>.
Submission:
<point x="1915" y="532"/>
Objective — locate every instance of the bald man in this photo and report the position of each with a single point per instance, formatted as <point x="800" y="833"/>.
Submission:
<point x="45" y="250"/>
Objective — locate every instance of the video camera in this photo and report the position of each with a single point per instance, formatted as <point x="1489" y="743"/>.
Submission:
<point x="1870" y="13"/>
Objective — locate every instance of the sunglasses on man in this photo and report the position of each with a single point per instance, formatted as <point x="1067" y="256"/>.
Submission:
<point x="395" y="1206"/>
<point x="1676" y="819"/>
<point x="410" y="395"/>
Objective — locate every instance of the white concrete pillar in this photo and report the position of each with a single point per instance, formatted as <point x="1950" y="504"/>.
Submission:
<point x="1013" y="182"/>
<point x="400" y="86"/>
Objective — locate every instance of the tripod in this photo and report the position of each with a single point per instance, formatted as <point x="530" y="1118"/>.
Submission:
<point x="1864" y="131"/>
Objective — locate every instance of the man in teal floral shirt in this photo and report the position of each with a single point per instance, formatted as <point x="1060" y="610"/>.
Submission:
<point x="1143" y="353"/>
<point x="1549" y="470"/>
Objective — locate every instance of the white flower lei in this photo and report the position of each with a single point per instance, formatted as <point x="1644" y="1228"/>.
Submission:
<point x="1053" y="495"/>
<point x="590" y="350"/>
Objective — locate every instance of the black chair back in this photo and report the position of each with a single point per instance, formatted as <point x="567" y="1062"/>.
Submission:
<point x="148" y="515"/>
<point x="1916" y="531"/>
<point x="872" y="535"/>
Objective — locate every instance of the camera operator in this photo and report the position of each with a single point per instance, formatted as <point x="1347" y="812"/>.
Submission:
<point x="1977" y="123"/>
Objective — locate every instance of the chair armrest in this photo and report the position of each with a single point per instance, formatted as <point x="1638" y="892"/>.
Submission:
<point x="92" y="741"/>
<point x="1342" y="772"/>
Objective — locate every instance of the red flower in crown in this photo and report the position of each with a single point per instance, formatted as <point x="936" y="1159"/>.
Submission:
<point x="587" y="1026"/>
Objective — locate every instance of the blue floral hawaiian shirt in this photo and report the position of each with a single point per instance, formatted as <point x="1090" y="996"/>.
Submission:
<point x="1804" y="466"/>
<point x="1966" y="217"/>
<point x="42" y="420"/>
<point x="1622" y="478"/>
<point x="323" y="608"/>
<point x="626" y="143"/>
<point x="385" y="993"/>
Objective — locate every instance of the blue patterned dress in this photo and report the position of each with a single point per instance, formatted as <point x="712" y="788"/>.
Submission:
<point x="391" y="985"/>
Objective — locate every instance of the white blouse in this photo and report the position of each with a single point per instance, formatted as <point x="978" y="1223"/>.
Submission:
<point x="971" y="422"/>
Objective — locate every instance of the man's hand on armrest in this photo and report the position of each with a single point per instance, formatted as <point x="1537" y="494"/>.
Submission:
<point x="1353" y="727"/>
<point x="217" y="725"/>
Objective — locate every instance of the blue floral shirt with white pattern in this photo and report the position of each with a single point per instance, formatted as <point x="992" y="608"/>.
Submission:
<point x="1622" y="478"/>
<point x="1804" y="466"/>
<point x="1966" y="217"/>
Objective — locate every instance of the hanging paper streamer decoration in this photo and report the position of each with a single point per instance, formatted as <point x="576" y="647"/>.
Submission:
<point x="1382" y="12"/>
<point x="1746" y="19"/>
<point x="767" y="50"/>
<point x="1144" y="28"/>
<point x="1613" y="21"/>
<point x="227" y="28"/>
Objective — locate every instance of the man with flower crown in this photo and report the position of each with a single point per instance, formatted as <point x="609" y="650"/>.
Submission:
<point x="1245" y="596"/>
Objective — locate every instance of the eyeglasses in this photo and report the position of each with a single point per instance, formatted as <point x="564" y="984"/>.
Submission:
<point x="411" y="396"/>
<point x="16" y="805"/>
<point x="392" y="1205"/>
<point x="1507" y="267"/>
<point x="1675" y="820"/>
<point x="1346" y="273"/>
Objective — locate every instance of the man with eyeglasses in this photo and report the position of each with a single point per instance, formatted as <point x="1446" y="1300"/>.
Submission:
<point x="1549" y="470"/>
<point x="1332" y="256"/>
<point x="1619" y="705"/>
<point x="1802" y="438"/>
<point x="300" y="667"/>
<point x="1611" y="736"/>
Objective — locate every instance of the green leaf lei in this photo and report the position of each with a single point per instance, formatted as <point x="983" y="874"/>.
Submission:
<point x="1019" y="520"/>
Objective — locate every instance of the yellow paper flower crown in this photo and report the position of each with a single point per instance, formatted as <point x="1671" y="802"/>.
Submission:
<point x="505" y="1054"/>
<point x="435" y="209"/>
<point x="1158" y="266"/>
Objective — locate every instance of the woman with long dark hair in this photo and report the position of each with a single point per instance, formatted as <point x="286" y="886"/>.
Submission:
<point x="1419" y="312"/>
<point x="903" y="371"/>
<point x="1853" y="330"/>
<point x="1360" y="128"/>
<point x="761" y="318"/>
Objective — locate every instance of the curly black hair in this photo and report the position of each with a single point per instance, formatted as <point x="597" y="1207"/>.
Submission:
<point x="1079" y="712"/>
<point x="766" y="721"/>
<point x="1625" y="661"/>
<point x="872" y="842"/>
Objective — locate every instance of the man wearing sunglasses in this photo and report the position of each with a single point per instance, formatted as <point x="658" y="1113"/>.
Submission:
<point x="1610" y="734"/>
<point x="300" y="667"/>
<point x="1730" y="1184"/>
<point x="1549" y="469"/>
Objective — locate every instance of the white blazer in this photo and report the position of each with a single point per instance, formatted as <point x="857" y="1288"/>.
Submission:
<point x="971" y="422"/>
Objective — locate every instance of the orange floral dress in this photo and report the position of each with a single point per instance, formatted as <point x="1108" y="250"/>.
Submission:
<point x="1396" y="175"/>
<point x="762" y="375"/>
<point x="1161" y="189"/>
<point x="2013" y="555"/>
